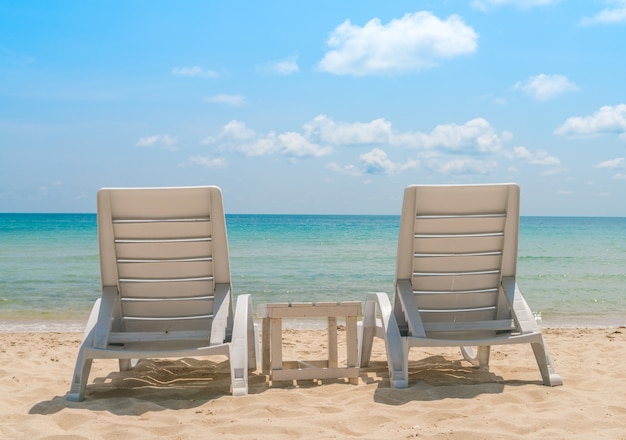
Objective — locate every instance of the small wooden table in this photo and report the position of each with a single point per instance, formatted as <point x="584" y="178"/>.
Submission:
<point x="272" y="315"/>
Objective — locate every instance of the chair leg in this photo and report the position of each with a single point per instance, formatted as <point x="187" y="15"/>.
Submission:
<point x="402" y="376"/>
<point x="387" y="328"/>
<point x="125" y="364"/>
<point x="480" y="358"/>
<point x="366" y="332"/>
<point x="238" y="370"/>
<point x="242" y="349"/>
<point x="80" y="378"/>
<point x="254" y="356"/>
<point x="548" y="374"/>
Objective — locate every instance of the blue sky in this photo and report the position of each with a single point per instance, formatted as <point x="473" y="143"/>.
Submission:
<point x="318" y="107"/>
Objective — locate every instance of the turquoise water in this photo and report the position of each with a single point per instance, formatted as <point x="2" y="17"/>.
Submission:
<point x="571" y="270"/>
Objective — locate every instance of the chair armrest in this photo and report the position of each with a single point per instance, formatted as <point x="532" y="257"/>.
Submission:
<point x="222" y="314"/>
<point x="522" y="315"/>
<point x="105" y="317"/>
<point x="404" y="293"/>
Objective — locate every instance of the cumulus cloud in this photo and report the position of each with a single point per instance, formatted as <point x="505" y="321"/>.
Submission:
<point x="463" y="166"/>
<point x="261" y="146"/>
<point x="284" y="67"/>
<point x="414" y="42"/>
<point x="233" y="130"/>
<point x="158" y="140"/>
<point x="294" y="144"/>
<point x="612" y="163"/>
<point x="484" y="5"/>
<point x="325" y="130"/>
<point x="376" y="161"/>
<point x="236" y="136"/>
<point x="536" y="158"/>
<point x="543" y="87"/>
<point x="448" y="149"/>
<point x="609" y="119"/>
<point x="194" y="71"/>
<point x="225" y="99"/>
<point x="476" y="135"/>
<point x="614" y="14"/>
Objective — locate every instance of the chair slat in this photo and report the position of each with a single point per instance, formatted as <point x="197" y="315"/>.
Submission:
<point x="455" y="282"/>
<point x="163" y="250"/>
<point x="166" y="325"/>
<point x="457" y="300"/>
<point x="168" y="308"/>
<point x="474" y="262"/>
<point x="167" y="289"/>
<point x="165" y="269"/>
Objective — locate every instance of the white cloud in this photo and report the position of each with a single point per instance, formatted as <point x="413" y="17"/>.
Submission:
<point x="233" y="131"/>
<point x="208" y="162"/>
<point x="259" y="146"/>
<point x="475" y="135"/>
<point x="376" y="161"/>
<point x="236" y="136"/>
<point x="194" y="71"/>
<point x="609" y="119"/>
<point x="348" y="170"/>
<point x="619" y="176"/>
<point x="610" y="15"/>
<point x="325" y="130"/>
<point x="284" y="67"/>
<point x="612" y="163"/>
<point x="537" y="158"/>
<point x="322" y="136"/>
<point x="543" y="87"/>
<point x="294" y="144"/>
<point x="230" y="100"/>
<point x="158" y="140"/>
<point x="463" y="166"/>
<point x="484" y="5"/>
<point x="414" y="42"/>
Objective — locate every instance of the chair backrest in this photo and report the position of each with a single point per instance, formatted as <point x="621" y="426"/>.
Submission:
<point x="165" y="249"/>
<point x="456" y="244"/>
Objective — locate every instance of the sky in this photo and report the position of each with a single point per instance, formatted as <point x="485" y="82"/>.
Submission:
<point x="313" y="107"/>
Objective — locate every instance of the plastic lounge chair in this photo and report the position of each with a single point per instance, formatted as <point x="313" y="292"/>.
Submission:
<point x="166" y="288"/>
<point x="455" y="280"/>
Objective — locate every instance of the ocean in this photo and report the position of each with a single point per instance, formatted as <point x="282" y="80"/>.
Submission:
<point x="572" y="270"/>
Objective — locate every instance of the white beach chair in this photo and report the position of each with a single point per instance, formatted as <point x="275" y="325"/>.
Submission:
<point x="455" y="280"/>
<point x="166" y="287"/>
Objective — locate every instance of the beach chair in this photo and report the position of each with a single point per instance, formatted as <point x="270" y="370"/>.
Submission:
<point x="166" y="287"/>
<point x="455" y="280"/>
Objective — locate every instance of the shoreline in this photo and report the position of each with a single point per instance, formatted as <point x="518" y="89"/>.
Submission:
<point x="78" y="325"/>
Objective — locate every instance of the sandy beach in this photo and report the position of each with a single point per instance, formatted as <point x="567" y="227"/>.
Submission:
<point x="447" y="399"/>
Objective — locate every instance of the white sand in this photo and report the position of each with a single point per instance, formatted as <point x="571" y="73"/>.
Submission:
<point x="447" y="399"/>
